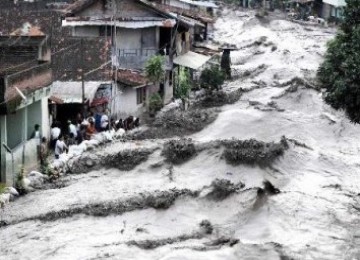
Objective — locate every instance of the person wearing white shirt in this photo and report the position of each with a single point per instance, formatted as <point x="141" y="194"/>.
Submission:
<point x="55" y="133"/>
<point x="60" y="147"/>
<point x="104" y="122"/>
<point x="72" y="129"/>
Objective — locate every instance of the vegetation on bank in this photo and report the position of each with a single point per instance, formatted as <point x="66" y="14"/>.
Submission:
<point x="2" y="187"/>
<point x="339" y="74"/>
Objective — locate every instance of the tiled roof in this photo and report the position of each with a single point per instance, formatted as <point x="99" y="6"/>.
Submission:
<point x="78" y="6"/>
<point x="131" y="78"/>
<point x="66" y="50"/>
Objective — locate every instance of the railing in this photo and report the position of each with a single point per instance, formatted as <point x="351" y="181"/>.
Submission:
<point x="137" y="58"/>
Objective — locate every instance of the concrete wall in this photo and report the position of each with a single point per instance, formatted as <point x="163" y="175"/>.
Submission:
<point x="128" y="38"/>
<point x="15" y="128"/>
<point x="45" y="122"/>
<point x="11" y="133"/>
<point x="3" y="138"/>
<point x="136" y="46"/>
<point x="136" y="38"/>
<point x="30" y="160"/>
<point x="34" y="116"/>
<point x="128" y="105"/>
<point x="86" y="31"/>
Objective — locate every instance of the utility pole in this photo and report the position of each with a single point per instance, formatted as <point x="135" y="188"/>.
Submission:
<point x="82" y="77"/>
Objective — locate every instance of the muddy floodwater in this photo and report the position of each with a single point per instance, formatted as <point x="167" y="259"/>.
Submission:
<point x="160" y="210"/>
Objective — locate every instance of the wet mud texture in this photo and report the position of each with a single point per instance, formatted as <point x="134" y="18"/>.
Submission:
<point x="177" y="123"/>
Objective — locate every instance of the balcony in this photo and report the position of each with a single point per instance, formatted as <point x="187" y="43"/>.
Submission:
<point x="137" y="58"/>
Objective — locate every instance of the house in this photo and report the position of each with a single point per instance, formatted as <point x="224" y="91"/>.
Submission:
<point x="137" y="32"/>
<point x="25" y="77"/>
<point x="332" y="9"/>
<point x="201" y="20"/>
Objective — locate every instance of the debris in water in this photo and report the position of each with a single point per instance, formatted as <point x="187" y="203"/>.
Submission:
<point x="222" y="188"/>
<point x="179" y="151"/>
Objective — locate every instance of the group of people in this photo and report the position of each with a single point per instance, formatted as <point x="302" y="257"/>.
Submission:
<point x="76" y="131"/>
<point x="128" y="123"/>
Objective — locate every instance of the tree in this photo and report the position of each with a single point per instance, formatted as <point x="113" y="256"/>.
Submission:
<point x="212" y="78"/>
<point x="339" y="74"/>
<point x="154" y="68"/>
<point x="155" y="103"/>
<point x="184" y="85"/>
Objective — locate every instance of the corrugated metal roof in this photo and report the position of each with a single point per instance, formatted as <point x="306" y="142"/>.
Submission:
<point x="123" y="24"/>
<point x="191" y="60"/>
<point x="190" y="21"/>
<point x="200" y="3"/>
<point x="71" y="91"/>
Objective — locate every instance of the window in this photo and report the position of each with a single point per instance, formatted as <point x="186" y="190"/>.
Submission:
<point x="140" y="95"/>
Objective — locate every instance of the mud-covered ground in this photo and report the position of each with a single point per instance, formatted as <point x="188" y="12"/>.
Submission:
<point x="212" y="203"/>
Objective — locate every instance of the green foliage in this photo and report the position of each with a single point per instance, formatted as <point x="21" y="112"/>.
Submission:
<point x="339" y="74"/>
<point x="154" y="68"/>
<point x="2" y="187"/>
<point x="155" y="102"/>
<point x="19" y="181"/>
<point x="46" y="169"/>
<point x="212" y="78"/>
<point x="184" y="85"/>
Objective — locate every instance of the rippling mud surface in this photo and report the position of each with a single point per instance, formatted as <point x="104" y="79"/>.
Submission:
<point x="205" y="207"/>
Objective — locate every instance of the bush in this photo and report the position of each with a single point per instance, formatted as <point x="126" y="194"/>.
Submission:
<point x="212" y="78"/>
<point x="179" y="151"/>
<point x="2" y="187"/>
<point x="184" y="85"/>
<point x="155" y="102"/>
<point x="154" y="68"/>
<point x="253" y="151"/>
<point x="222" y="188"/>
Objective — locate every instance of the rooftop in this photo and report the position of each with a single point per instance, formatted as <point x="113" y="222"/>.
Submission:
<point x="132" y="78"/>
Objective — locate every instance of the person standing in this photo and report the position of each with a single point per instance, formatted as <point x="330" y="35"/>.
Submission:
<point x="36" y="135"/>
<point x="60" y="147"/>
<point x="90" y="130"/>
<point x="104" y="121"/>
<point x="43" y="151"/>
<point x="72" y="129"/>
<point x="55" y="133"/>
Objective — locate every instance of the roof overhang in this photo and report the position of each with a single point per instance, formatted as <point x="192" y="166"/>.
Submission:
<point x="64" y="92"/>
<point x="122" y="24"/>
<point x="200" y="3"/>
<point x="336" y="3"/>
<point x="190" y="21"/>
<point x="191" y="60"/>
<point x="131" y="78"/>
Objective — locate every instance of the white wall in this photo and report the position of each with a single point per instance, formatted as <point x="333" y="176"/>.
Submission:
<point x="45" y="122"/>
<point x="30" y="160"/>
<point x="128" y="106"/>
